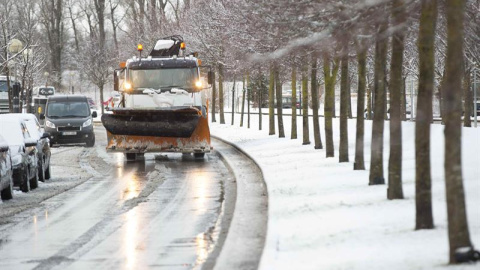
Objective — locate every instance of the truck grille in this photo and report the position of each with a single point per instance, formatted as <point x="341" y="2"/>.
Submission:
<point x="69" y="128"/>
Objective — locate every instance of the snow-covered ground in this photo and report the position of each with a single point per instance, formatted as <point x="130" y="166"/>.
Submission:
<point x="323" y="214"/>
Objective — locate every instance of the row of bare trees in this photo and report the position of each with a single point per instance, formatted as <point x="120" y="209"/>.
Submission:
<point x="391" y="39"/>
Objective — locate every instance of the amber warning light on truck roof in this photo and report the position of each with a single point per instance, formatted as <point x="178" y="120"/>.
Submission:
<point x="139" y="47"/>
<point x="182" y="45"/>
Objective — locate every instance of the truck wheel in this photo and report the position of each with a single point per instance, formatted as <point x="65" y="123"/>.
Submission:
<point x="34" y="181"/>
<point x="7" y="193"/>
<point x="25" y="185"/>
<point x="130" y="156"/>
<point x="199" y="155"/>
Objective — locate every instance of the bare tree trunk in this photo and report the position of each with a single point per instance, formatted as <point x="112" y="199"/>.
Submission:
<point x="271" y="101"/>
<point x="315" y="105"/>
<point x="260" y="100"/>
<point x="376" y="162"/>
<point x="243" y="102"/>
<point x="360" y="132"/>
<point x="220" y="93"/>
<point x="395" y="190"/>
<point x="343" y="148"/>
<point x="423" y="189"/>
<point x="248" y="99"/>
<point x="369" y="103"/>
<point x="403" y="107"/>
<point x="214" y="98"/>
<point x="278" y="94"/>
<point x="74" y="27"/>
<point x="349" y="99"/>
<point x="330" y="76"/>
<point x="306" y="132"/>
<point x="114" y="25"/>
<point x="458" y="233"/>
<point x="467" y="89"/>
<point x="53" y="22"/>
<point x="294" y="103"/>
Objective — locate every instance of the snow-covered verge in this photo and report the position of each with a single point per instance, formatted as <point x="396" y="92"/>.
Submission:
<point x="323" y="215"/>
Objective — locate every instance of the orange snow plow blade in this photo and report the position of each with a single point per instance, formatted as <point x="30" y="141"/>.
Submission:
<point x="183" y="130"/>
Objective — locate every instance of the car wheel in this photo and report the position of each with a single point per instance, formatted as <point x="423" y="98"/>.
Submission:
<point x="91" y="142"/>
<point x="25" y="185"/>
<point x="47" y="172"/>
<point x="34" y="181"/>
<point x="199" y="155"/>
<point x="41" y="172"/>
<point x="7" y="193"/>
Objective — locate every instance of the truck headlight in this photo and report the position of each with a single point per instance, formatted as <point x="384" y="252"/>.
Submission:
<point x="87" y="123"/>
<point x="49" y="124"/>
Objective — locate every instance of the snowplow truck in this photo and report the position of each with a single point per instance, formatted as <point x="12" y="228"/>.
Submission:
<point x="162" y="105"/>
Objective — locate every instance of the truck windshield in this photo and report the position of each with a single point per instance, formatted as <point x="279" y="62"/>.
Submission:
<point x="164" y="78"/>
<point x="3" y="86"/>
<point x="67" y="109"/>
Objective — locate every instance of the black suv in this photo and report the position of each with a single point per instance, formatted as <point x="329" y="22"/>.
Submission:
<point x="68" y="120"/>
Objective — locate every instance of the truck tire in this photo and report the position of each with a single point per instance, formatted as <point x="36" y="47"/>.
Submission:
<point x="130" y="156"/>
<point x="199" y="155"/>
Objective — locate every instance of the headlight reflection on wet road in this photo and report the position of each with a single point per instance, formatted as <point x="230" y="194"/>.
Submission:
<point x="131" y="238"/>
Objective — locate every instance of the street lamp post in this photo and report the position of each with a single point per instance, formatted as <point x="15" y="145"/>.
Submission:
<point x="15" y="47"/>
<point x="27" y="55"/>
<point x="46" y="74"/>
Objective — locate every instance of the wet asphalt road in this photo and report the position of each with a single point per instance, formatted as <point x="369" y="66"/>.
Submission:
<point x="165" y="212"/>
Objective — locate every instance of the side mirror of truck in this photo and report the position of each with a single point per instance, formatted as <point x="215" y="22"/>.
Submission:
<point x="94" y="114"/>
<point x="211" y="76"/>
<point x="42" y="116"/>
<point x="115" y="80"/>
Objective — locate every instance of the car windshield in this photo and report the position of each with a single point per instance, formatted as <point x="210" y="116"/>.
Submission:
<point x="11" y="131"/>
<point x="67" y="109"/>
<point x="33" y="129"/>
<point x="163" y="78"/>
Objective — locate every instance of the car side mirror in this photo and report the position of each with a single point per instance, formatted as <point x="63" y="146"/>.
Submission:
<point x="42" y="116"/>
<point x="94" y="114"/>
<point x="45" y="135"/>
<point x="30" y="142"/>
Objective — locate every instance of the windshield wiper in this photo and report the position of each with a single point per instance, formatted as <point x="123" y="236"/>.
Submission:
<point x="53" y="116"/>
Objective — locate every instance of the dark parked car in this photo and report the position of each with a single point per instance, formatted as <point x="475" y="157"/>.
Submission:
<point x="68" y="120"/>
<point x="6" y="178"/>
<point x="23" y="149"/>
<point x="43" y="144"/>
